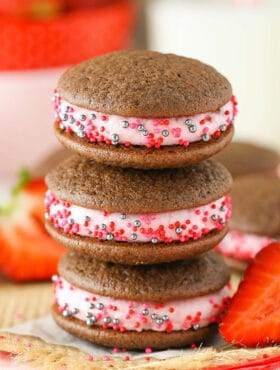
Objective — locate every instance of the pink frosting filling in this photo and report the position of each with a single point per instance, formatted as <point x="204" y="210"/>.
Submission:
<point x="152" y="132"/>
<point x="154" y="227"/>
<point x="243" y="246"/>
<point x="120" y="314"/>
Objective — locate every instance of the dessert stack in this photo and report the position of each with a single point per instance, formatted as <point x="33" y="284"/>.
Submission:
<point x="140" y="205"/>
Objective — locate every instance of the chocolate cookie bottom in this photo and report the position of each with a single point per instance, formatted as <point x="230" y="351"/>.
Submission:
<point x="142" y="157"/>
<point x="131" y="339"/>
<point x="136" y="253"/>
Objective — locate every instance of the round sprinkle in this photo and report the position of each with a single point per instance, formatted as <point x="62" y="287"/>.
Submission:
<point x="223" y="128"/>
<point x="178" y="230"/>
<point x="222" y="221"/>
<point x="232" y="122"/>
<point x="115" y="138"/>
<point x="165" y="318"/>
<point x="66" y="313"/>
<point x="100" y="306"/>
<point x="64" y="117"/>
<point x="140" y="127"/>
<point x="89" y="322"/>
<point x="107" y="320"/>
<point x="55" y="278"/>
<point x="159" y="321"/>
<point x="188" y="122"/>
<point x="87" y="218"/>
<point x="91" y="305"/>
<point x="222" y="208"/>
<point x="195" y="327"/>
<point x="205" y="137"/>
<point x="71" y="120"/>
<point x="92" y="116"/>
<point x="110" y="236"/>
<point x="62" y="126"/>
<point x="154" y="316"/>
<point x="123" y="216"/>
<point x="71" y="221"/>
<point x="133" y="236"/>
<point x="145" y="312"/>
<point x="81" y="127"/>
<point x="145" y="133"/>
<point x="137" y="223"/>
<point x="154" y="240"/>
<point x="83" y="117"/>
<point x="116" y="321"/>
<point x="192" y="128"/>
<point x="103" y="226"/>
<point x="81" y="134"/>
<point x="165" y="133"/>
<point x="75" y="311"/>
<point x="214" y="217"/>
<point x="125" y="124"/>
<point x="88" y="315"/>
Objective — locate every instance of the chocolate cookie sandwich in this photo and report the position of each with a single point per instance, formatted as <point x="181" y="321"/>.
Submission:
<point x="158" y="306"/>
<point x="255" y="221"/>
<point x="144" y="109"/>
<point x="244" y="158"/>
<point x="133" y="217"/>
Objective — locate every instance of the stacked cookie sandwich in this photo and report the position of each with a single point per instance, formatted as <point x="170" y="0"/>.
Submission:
<point x="140" y="206"/>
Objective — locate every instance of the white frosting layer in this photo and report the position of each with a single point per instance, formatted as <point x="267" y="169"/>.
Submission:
<point x="157" y="227"/>
<point x="151" y="132"/>
<point x="122" y="315"/>
<point x="243" y="246"/>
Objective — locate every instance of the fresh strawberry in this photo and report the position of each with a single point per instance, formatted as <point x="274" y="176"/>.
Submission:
<point x="27" y="252"/>
<point x="253" y="317"/>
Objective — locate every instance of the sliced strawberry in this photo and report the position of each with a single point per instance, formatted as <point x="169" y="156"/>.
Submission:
<point x="27" y="252"/>
<point x="253" y="318"/>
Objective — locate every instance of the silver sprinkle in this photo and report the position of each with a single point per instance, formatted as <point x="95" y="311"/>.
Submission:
<point x="192" y="128"/>
<point x="66" y="108"/>
<point x="214" y="217"/>
<point x="232" y="122"/>
<point x="223" y="128"/>
<point x="115" y="139"/>
<point x="64" y="117"/>
<point x="116" y="321"/>
<point x="165" y="133"/>
<point x="140" y="127"/>
<point x="71" y="221"/>
<point x="125" y="124"/>
<point x="154" y="240"/>
<point x="81" y="127"/>
<point x="123" y="216"/>
<point x="188" y="122"/>
<point x="107" y="320"/>
<point x="87" y="218"/>
<point x="62" y="126"/>
<point x="92" y="116"/>
<point x="109" y="236"/>
<point x="222" y="208"/>
<point x="165" y="318"/>
<point x="89" y="315"/>
<point x="133" y="236"/>
<point x="81" y="134"/>
<point x="55" y="278"/>
<point x="103" y="227"/>
<point x="56" y="116"/>
<point x="154" y="316"/>
<point x="91" y="305"/>
<point x="66" y="313"/>
<point x="159" y="321"/>
<point x="205" y="137"/>
<point x="83" y="117"/>
<point x="178" y="230"/>
<point x="71" y="120"/>
<point x="145" y="312"/>
<point x="145" y="133"/>
<point x="100" y="306"/>
<point x="89" y="322"/>
<point x="195" y="326"/>
<point x="137" y="223"/>
<point x="47" y="216"/>
<point x="222" y="221"/>
<point x="75" y="311"/>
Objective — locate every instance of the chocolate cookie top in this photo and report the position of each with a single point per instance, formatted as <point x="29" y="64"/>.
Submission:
<point x="146" y="84"/>
<point x="256" y="205"/>
<point x="243" y="158"/>
<point x="85" y="183"/>
<point x="176" y="280"/>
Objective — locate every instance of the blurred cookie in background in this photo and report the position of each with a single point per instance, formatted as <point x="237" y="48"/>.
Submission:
<point x="49" y="162"/>
<point x="244" y="158"/>
<point x="255" y="221"/>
